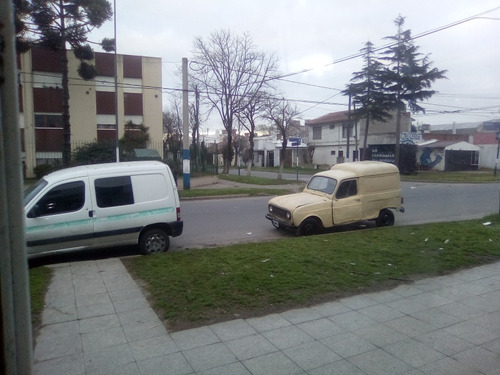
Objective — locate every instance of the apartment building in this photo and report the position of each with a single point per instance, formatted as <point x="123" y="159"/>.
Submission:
<point x="94" y="111"/>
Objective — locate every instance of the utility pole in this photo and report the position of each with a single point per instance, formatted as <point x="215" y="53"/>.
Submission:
<point x="16" y="356"/>
<point x="186" y="167"/>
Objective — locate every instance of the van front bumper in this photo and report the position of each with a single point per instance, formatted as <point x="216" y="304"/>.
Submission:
<point x="280" y="223"/>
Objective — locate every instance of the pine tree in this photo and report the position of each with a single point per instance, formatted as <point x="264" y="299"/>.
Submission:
<point x="367" y="92"/>
<point x="408" y="77"/>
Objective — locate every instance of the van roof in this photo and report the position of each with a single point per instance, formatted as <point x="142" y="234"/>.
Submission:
<point x="99" y="169"/>
<point x="360" y="168"/>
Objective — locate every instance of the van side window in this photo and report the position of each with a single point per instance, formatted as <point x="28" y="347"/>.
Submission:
<point x="114" y="191"/>
<point x="347" y="189"/>
<point x="63" y="198"/>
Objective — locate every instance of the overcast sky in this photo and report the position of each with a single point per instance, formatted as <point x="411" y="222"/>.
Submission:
<point x="307" y="34"/>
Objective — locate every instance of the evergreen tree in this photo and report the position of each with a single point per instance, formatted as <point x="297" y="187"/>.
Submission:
<point x="57" y="24"/>
<point x="366" y="91"/>
<point x="409" y="76"/>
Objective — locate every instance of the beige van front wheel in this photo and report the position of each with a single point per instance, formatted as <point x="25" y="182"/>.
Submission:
<point x="154" y="241"/>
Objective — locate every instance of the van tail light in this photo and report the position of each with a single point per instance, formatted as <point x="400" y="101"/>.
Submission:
<point x="178" y="213"/>
<point x="402" y="200"/>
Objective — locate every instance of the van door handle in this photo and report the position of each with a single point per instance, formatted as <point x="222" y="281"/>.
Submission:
<point x="91" y="213"/>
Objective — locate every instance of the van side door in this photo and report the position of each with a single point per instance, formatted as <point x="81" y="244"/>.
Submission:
<point x="347" y="203"/>
<point x="116" y="221"/>
<point x="60" y="219"/>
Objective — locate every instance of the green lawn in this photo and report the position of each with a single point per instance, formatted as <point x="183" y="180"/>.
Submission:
<point x="194" y="287"/>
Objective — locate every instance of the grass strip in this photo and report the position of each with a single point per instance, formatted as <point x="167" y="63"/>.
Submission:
<point x="39" y="279"/>
<point x="192" y="193"/>
<point x="195" y="287"/>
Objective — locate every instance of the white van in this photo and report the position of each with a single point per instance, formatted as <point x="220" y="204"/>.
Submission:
<point x="347" y="193"/>
<point x="103" y="205"/>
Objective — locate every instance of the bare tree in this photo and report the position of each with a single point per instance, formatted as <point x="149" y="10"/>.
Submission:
<point x="230" y="73"/>
<point x="248" y="118"/>
<point x="283" y="116"/>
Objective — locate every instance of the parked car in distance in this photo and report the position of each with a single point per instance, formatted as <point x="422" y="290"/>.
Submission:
<point x="103" y="205"/>
<point x="347" y="193"/>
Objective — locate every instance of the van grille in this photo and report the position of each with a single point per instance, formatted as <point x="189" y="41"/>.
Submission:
<point x="279" y="212"/>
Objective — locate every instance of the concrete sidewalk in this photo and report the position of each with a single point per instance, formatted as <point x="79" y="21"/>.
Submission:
<point x="97" y="321"/>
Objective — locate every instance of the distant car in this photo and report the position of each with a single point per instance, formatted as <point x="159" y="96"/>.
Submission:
<point x="347" y="193"/>
<point x="103" y="205"/>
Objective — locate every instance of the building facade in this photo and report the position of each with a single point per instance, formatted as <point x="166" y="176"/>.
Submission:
<point x="337" y="139"/>
<point x="95" y="105"/>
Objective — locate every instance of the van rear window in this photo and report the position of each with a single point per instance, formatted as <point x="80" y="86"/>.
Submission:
<point x="114" y="191"/>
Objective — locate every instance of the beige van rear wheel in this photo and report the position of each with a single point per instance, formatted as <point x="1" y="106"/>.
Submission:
<point x="154" y="241"/>
<point x="385" y="218"/>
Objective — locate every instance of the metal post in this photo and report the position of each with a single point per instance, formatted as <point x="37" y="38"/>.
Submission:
<point x="16" y="343"/>
<point x="297" y="161"/>
<point x="117" y="139"/>
<point x="186" y="167"/>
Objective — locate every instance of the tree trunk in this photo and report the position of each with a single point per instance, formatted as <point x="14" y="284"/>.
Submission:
<point x="397" y="148"/>
<point x="66" y="151"/>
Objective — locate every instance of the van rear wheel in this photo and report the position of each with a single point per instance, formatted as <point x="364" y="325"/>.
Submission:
<point x="154" y="241"/>
<point x="385" y="218"/>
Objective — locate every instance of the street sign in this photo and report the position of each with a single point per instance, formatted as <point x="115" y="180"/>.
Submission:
<point x="295" y="141"/>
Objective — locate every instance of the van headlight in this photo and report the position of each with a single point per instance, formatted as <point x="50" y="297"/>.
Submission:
<point x="270" y="208"/>
<point x="288" y="215"/>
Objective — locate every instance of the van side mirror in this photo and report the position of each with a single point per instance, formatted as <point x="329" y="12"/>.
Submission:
<point x="34" y="212"/>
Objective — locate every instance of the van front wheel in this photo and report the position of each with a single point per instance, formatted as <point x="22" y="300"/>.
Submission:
<point x="309" y="227"/>
<point x="385" y="218"/>
<point x="154" y="241"/>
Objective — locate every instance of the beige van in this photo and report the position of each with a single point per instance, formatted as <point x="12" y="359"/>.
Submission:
<point x="347" y="193"/>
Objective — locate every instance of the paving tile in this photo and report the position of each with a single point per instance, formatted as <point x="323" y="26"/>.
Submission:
<point x="481" y="359"/>
<point x="380" y="334"/>
<point x="232" y="329"/>
<point x="126" y="369"/>
<point x="331" y="308"/>
<point x="91" y="311"/>
<point x="407" y="290"/>
<point x="430" y="299"/>
<point x="406" y="305"/>
<point x="103" y="338"/>
<point x="413" y="352"/>
<point x="130" y="304"/>
<point x="92" y="299"/>
<point x="383" y="296"/>
<point x="312" y="355"/>
<point x="231" y="369"/>
<point x="153" y="347"/>
<point x="462" y="311"/>
<point x="49" y="347"/>
<point x="342" y="367"/>
<point x="287" y="337"/>
<point x="471" y="332"/>
<point x="108" y="360"/>
<point x="125" y="294"/>
<point x="448" y="366"/>
<point x="320" y="328"/>
<point x="380" y="313"/>
<point x="493" y="346"/>
<point x="209" y="356"/>
<point x="444" y="342"/>
<point x="348" y="344"/>
<point x="357" y="302"/>
<point x="301" y="315"/>
<point x="250" y="347"/>
<point x="379" y="362"/>
<point x="352" y="320"/>
<point x="52" y="315"/>
<point x="274" y="363"/>
<point x="436" y="318"/>
<point x="489" y="321"/>
<point x="268" y="322"/>
<point x="195" y="337"/>
<point x="171" y="364"/>
<point x="99" y="323"/>
<point x="409" y="326"/>
<point x="67" y="365"/>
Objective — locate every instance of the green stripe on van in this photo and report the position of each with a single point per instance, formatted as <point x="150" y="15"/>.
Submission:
<point x="110" y="218"/>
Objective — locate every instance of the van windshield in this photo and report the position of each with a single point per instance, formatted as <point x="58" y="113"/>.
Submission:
<point x="323" y="184"/>
<point x="33" y="190"/>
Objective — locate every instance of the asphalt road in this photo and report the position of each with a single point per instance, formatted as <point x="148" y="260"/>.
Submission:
<point x="234" y="220"/>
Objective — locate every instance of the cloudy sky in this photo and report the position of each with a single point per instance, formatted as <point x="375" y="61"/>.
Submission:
<point x="314" y="35"/>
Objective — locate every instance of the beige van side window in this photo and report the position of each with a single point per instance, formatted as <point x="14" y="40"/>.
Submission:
<point x="347" y="189"/>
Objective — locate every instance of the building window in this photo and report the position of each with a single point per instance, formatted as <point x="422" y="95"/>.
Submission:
<point x="345" y="130"/>
<point x="48" y="121"/>
<point x="332" y="152"/>
<point x="341" y="153"/>
<point x="332" y="126"/>
<point x="317" y="132"/>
